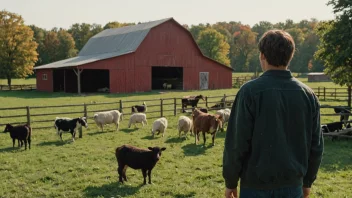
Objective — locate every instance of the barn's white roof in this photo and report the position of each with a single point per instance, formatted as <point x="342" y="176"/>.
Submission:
<point x="107" y="44"/>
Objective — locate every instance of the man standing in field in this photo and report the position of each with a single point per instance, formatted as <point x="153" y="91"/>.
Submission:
<point x="273" y="141"/>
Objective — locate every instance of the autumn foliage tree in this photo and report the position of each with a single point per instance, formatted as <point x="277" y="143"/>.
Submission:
<point x="17" y="48"/>
<point x="213" y="44"/>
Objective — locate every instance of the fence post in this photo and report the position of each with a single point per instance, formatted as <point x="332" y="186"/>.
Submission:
<point x="324" y="93"/>
<point x="335" y="93"/>
<point x="174" y="106"/>
<point x="121" y="107"/>
<point x="161" y="107"/>
<point x="206" y="101"/>
<point x="80" y="131"/>
<point x="224" y="98"/>
<point x="28" y="116"/>
<point x="318" y="92"/>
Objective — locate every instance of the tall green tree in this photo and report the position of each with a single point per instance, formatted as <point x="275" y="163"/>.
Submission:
<point x="51" y="46"/>
<point x="262" y="27"/>
<point x="213" y="44"/>
<point x="39" y="37"/>
<point x="115" y="24"/>
<point x="335" y="44"/>
<point x="66" y="48"/>
<point x="81" y="33"/>
<point x="17" y="47"/>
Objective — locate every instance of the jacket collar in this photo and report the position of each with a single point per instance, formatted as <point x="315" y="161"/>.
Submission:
<point x="282" y="73"/>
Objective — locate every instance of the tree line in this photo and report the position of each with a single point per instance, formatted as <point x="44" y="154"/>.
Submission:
<point x="232" y="43"/>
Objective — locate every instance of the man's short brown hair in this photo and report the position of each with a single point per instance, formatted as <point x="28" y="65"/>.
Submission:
<point x="278" y="47"/>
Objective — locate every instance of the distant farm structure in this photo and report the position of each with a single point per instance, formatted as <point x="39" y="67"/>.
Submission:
<point x="318" y="77"/>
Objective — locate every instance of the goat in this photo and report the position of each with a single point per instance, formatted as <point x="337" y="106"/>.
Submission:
<point x="205" y="123"/>
<point x="69" y="125"/>
<point x="137" y="158"/>
<point x="139" y="108"/>
<point x="21" y="132"/>
<point x="190" y="100"/>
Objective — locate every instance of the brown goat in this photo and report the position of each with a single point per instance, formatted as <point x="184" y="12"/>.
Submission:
<point x="205" y="123"/>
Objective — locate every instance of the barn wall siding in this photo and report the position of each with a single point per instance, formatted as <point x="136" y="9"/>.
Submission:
<point x="45" y="85"/>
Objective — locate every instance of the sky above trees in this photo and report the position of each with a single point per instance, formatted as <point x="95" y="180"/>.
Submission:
<point x="64" y="13"/>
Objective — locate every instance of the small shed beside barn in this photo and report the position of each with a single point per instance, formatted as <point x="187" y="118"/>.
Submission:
<point x="136" y="58"/>
<point x="318" y="77"/>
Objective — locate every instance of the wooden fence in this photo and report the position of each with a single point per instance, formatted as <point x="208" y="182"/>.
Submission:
<point x="239" y="81"/>
<point x="18" y="87"/>
<point x="325" y="93"/>
<point x="39" y="116"/>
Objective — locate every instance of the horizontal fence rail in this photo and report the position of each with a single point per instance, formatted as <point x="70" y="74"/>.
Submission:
<point x="18" y="87"/>
<point x="42" y="117"/>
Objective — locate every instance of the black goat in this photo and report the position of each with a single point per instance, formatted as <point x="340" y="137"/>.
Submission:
<point x="21" y="133"/>
<point x="190" y="100"/>
<point x="137" y="158"/>
<point x="139" y="108"/>
<point x="69" y="125"/>
<point x="331" y="127"/>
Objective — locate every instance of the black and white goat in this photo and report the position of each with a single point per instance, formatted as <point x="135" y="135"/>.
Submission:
<point x="139" y="108"/>
<point x="21" y="132"/>
<point x="137" y="158"/>
<point x="69" y="125"/>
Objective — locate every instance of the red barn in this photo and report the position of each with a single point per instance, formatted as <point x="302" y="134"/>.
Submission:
<point x="136" y="59"/>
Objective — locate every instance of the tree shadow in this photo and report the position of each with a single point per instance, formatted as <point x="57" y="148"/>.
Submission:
<point x="337" y="155"/>
<point x="53" y="143"/>
<point x="150" y="137"/>
<point x="128" y="130"/>
<point x="114" y="189"/>
<point x="194" y="150"/>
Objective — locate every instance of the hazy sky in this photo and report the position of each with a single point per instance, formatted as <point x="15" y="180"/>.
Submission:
<point x="63" y="13"/>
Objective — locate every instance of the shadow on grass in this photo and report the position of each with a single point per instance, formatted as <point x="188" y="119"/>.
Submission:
<point x="337" y="155"/>
<point x="194" y="150"/>
<point x="114" y="189"/>
<point x="176" y="139"/>
<point x="53" y="143"/>
<point x="97" y="133"/>
<point x="10" y="149"/>
<point x="221" y="134"/>
<point x="150" y="137"/>
<point x="129" y="130"/>
<point x="191" y="194"/>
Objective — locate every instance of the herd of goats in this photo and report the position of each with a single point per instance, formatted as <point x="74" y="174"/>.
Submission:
<point x="146" y="159"/>
<point x="131" y="156"/>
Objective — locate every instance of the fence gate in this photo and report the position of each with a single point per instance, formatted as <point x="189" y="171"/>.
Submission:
<point x="203" y="80"/>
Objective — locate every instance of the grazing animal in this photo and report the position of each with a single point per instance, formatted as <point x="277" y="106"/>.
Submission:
<point x="139" y="108"/>
<point x="108" y="117"/>
<point x="324" y="129"/>
<point x="225" y="114"/>
<point x="160" y="126"/>
<point x="190" y="101"/>
<point x="185" y="124"/>
<point x="342" y="110"/>
<point x="20" y="132"/>
<point x="334" y="126"/>
<point x="138" y="118"/>
<point x="137" y="158"/>
<point x="69" y="125"/>
<point x="205" y="123"/>
<point x="216" y="106"/>
<point x="167" y="86"/>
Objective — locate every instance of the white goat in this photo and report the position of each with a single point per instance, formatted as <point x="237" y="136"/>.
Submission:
<point x="225" y="114"/>
<point x="159" y="125"/>
<point x="138" y="118"/>
<point x="185" y="124"/>
<point x="108" y="117"/>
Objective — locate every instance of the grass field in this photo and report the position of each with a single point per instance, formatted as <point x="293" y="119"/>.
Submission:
<point x="87" y="167"/>
<point x="27" y="81"/>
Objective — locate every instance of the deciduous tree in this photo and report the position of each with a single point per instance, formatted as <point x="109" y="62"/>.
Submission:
<point x="17" y="47"/>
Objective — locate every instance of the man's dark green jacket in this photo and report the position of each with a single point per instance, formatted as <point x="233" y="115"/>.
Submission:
<point x="274" y="137"/>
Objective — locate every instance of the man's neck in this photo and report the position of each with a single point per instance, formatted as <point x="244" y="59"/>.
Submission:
<point x="270" y="67"/>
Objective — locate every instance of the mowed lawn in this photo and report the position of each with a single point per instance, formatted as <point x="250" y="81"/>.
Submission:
<point x="87" y="167"/>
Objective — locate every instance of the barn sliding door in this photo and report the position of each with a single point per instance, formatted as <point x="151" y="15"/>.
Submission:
<point x="203" y="80"/>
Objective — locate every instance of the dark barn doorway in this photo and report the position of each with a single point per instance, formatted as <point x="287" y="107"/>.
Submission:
<point x="59" y="80"/>
<point x="94" y="79"/>
<point x="169" y="75"/>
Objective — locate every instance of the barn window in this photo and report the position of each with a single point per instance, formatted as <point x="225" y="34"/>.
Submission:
<point x="45" y="77"/>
